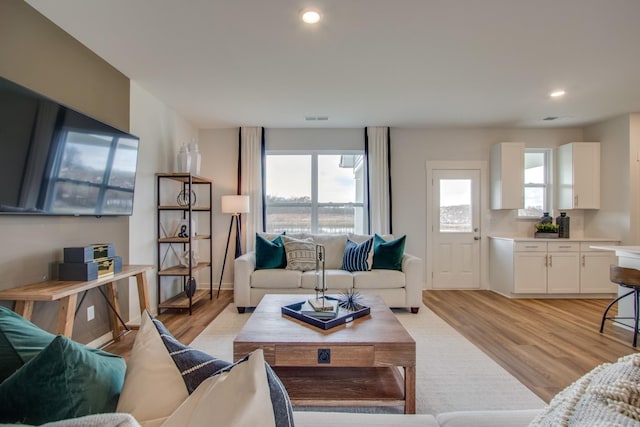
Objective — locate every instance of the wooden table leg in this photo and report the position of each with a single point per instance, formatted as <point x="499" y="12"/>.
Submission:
<point x="112" y="295"/>
<point x="143" y="293"/>
<point x="66" y="313"/>
<point x="410" y="390"/>
<point x="24" y="308"/>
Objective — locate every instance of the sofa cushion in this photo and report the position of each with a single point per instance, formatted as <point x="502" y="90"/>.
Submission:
<point x="270" y="253"/>
<point x="334" y="245"/>
<point x="153" y="386"/>
<point x="608" y="395"/>
<point x="356" y="255"/>
<point x="335" y="279"/>
<point x="64" y="380"/>
<point x="276" y="279"/>
<point x="379" y="279"/>
<point x="301" y="254"/>
<point x="239" y="396"/>
<point x="388" y="254"/>
<point x="20" y="341"/>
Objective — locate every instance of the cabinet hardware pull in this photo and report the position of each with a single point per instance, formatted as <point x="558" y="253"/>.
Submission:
<point x="564" y="247"/>
<point x="550" y="261"/>
<point x="583" y="262"/>
<point x="546" y="260"/>
<point x="531" y="247"/>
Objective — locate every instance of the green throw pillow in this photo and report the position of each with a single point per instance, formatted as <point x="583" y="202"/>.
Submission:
<point x="20" y="341"/>
<point x="270" y="254"/>
<point x="65" y="380"/>
<point x="388" y="255"/>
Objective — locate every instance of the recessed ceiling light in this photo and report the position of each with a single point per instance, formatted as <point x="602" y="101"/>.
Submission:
<point x="311" y="16"/>
<point x="557" y="93"/>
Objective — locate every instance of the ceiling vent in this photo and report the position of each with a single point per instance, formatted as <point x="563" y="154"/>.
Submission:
<point x="313" y="118"/>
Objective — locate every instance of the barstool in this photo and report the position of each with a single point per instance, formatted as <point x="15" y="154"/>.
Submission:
<point x="628" y="278"/>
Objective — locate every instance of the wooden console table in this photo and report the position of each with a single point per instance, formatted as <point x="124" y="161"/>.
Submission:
<point x="67" y="293"/>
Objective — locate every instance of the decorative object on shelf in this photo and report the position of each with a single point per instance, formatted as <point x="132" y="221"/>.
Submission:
<point x="234" y="205"/>
<point x="563" y="225"/>
<point x="190" y="287"/>
<point x="182" y="230"/>
<point x="183" y="160"/>
<point x="183" y="198"/>
<point x="184" y="259"/>
<point x="546" y="231"/>
<point x="350" y="300"/>
<point x="195" y="158"/>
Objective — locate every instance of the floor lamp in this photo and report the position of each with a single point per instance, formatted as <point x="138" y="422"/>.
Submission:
<point x="234" y="205"/>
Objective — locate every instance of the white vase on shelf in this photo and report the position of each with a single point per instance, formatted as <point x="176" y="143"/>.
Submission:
<point x="184" y="160"/>
<point x="195" y="158"/>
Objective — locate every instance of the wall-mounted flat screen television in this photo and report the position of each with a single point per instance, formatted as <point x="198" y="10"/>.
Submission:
<point x="57" y="161"/>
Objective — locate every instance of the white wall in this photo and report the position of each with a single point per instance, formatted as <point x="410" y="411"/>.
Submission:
<point x="219" y="150"/>
<point x="161" y="131"/>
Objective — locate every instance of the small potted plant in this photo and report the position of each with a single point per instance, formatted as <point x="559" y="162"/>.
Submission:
<point x="546" y="231"/>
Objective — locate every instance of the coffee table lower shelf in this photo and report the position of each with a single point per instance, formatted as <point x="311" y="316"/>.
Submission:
<point x="373" y="386"/>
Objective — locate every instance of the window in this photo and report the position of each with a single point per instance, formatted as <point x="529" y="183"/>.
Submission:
<point x="315" y="192"/>
<point x="537" y="183"/>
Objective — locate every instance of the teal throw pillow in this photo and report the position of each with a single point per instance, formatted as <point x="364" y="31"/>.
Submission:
<point x="65" y="380"/>
<point x="20" y="341"/>
<point x="356" y="255"/>
<point x="270" y="254"/>
<point x="388" y="255"/>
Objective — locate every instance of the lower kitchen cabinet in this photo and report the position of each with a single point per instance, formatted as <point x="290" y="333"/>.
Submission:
<point x="521" y="267"/>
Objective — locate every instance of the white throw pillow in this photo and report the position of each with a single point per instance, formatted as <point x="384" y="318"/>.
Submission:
<point x="301" y="254"/>
<point x="239" y="397"/>
<point x="153" y="387"/>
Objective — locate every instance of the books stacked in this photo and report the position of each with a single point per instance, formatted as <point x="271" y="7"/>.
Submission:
<point x="321" y="308"/>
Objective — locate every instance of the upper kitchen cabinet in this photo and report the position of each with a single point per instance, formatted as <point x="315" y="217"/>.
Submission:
<point x="507" y="175"/>
<point x="578" y="175"/>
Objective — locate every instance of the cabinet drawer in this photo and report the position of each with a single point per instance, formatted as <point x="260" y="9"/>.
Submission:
<point x="564" y="246"/>
<point x="531" y="246"/>
<point x="307" y="355"/>
<point x="584" y="246"/>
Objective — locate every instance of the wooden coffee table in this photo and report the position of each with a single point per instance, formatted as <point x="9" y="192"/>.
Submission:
<point x="368" y="362"/>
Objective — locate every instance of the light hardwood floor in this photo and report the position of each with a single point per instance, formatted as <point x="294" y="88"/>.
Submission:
<point x="545" y="343"/>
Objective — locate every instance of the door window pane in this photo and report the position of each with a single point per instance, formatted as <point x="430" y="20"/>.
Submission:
<point x="455" y="206"/>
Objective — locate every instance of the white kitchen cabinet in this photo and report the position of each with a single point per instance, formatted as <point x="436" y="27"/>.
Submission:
<point x="507" y="175"/>
<point x="594" y="268"/>
<point x="522" y="267"/>
<point x="563" y="267"/>
<point x="578" y="173"/>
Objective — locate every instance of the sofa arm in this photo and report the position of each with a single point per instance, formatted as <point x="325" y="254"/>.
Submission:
<point x="412" y="269"/>
<point x="243" y="267"/>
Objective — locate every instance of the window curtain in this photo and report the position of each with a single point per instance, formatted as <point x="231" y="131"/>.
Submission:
<point x="251" y="182"/>
<point x="378" y="158"/>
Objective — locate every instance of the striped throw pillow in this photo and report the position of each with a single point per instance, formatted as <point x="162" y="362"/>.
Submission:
<point x="355" y="255"/>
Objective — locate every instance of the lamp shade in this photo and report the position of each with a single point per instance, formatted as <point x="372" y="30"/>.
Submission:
<point x="235" y="204"/>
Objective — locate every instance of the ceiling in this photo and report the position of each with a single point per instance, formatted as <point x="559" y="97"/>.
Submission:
<point x="406" y="63"/>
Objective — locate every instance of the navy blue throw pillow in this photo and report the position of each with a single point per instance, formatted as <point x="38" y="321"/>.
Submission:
<point x="355" y="255"/>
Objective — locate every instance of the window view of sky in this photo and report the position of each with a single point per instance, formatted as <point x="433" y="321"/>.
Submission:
<point x="289" y="176"/>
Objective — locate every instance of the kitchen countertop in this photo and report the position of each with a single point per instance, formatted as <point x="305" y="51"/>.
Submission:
<point x="632" y="250"/>
<point x="572" y="239"/>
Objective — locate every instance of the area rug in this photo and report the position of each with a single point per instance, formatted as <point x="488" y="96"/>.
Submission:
<point x="451" y="373"/>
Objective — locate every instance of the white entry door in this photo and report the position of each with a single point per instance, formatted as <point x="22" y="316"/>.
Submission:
<point x="455" y="229"/>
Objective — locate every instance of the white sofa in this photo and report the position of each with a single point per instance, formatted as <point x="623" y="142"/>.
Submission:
<point x="398" y="289"/>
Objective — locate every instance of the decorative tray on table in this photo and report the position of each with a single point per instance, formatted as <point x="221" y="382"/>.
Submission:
<point x="327" y="319"/>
